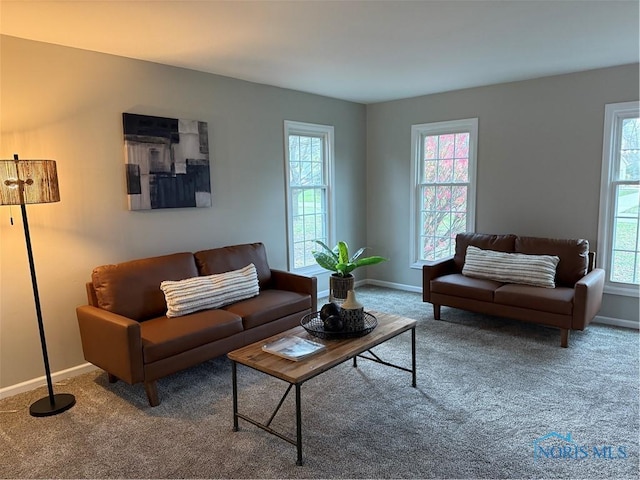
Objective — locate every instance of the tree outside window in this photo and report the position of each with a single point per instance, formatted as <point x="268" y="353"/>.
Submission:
<point x="444" y="174"/>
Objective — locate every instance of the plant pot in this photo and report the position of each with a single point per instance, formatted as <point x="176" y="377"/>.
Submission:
<point x="339" y="286"/>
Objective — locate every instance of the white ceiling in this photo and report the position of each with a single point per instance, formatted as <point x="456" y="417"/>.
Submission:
<point x="363" y="51"/>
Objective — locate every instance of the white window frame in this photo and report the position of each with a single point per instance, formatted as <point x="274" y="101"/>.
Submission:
<point x="326" y="133"/>
<point x="418" y="132"/>
<point x="613" y="116"/>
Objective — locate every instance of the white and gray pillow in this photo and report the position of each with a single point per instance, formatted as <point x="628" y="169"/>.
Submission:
<point x="210" y="291"/>
<point x="536" y="270"/>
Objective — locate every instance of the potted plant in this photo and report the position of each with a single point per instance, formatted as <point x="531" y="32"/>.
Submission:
<point x="337" y="260"/>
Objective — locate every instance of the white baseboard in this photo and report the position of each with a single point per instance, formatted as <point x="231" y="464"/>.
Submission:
<point x="395" y="286"/>
<point x="56" y="378"/>
<point x="616" y="322"/>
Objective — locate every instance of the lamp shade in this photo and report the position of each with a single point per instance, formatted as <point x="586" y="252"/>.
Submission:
<point x="28" y="181"/>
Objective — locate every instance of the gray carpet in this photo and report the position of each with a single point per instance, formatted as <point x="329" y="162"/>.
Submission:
<point x="488" y="388"/>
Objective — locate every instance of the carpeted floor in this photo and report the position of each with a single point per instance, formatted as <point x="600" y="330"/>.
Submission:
<point x="488" y="391"/>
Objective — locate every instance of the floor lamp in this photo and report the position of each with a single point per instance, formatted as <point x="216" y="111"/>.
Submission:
<point x="23" y="182"/>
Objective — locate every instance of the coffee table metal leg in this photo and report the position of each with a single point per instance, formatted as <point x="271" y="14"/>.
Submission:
<point x="234" y="380"/>
<point x="413" y="356"/>
<point x="298" y="425"/>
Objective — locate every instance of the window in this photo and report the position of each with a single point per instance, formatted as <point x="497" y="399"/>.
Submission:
<point x="618" y="228"/>
<point x="443" y="197"/>
<point x="308" y="160"/>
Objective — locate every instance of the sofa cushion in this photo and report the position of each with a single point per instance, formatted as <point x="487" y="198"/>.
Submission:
<point x="225" y="259"/>
<point x="499" y="243"/>
<point x="536" y="270"/>
<point x="164" y="337"/>
<point x="209" y="291"/>
<point x="268" y="306"/>
<point x="553" y="300"/>
<point x="132" y="289"/>
<point x="574" y="256"/>
<point x="458" y="285"/>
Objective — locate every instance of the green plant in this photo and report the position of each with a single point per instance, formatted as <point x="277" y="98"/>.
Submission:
<point x="337" y="259"/>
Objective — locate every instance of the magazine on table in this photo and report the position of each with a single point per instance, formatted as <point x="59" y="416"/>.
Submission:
<point x="293" y="348"/>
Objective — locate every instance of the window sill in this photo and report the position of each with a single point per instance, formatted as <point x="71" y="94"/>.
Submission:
<point x="310" y="271"/>
<point x="421" y="263"/>
<point x="622" y="290"/>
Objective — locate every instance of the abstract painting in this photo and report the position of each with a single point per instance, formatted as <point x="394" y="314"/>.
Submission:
<point x="167" y="162"/>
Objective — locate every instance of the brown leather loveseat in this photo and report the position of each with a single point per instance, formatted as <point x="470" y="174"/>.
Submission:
<point x="571" y="304"/>
<point x="125" y="329"/>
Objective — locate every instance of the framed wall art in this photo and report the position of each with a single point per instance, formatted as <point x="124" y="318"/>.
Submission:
<point x="167" y="162"/>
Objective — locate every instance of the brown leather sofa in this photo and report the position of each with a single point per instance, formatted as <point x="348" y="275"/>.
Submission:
<point x="571" y="305"/>
<point x="125" y="330"/>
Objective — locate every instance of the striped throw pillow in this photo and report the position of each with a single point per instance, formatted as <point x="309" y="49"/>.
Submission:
<point x="536" y="270"/>
<point x="210" y="291"/>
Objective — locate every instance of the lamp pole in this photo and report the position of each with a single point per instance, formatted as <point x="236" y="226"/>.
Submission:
<point x="53" y="404"/>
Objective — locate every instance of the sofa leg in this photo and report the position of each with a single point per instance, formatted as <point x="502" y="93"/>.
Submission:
<point x="152" y="393"/>
<point x="564" y="337"/>
<point x="112" y="378"/>
<point x="436" y="311"/>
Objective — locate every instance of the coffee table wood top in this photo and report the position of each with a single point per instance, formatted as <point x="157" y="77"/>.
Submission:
<point x="337" y="351"/>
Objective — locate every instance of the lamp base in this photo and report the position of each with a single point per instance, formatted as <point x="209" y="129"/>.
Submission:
<point x="45" y="407"/>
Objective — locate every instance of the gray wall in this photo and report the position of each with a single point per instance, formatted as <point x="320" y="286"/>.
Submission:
<point x="539" y="160"/>
<point x="67" y="104"/>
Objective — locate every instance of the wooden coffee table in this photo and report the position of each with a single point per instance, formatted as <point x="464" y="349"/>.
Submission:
<point x="296" y="373"/>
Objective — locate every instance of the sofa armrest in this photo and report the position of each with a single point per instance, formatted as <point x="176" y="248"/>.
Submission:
<point x="111" y="342"/>
<point x="293" y="282"/>
<point x="587" y="298"/>
<point x="435" y="270"/>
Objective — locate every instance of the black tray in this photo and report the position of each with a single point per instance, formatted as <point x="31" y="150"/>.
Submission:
<point x="313" y="324"/>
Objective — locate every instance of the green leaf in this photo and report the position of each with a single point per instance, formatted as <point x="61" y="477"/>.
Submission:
<point x="343" y="252"/>
<point x="350" y="267"/>
<point x="325" y="260"/>
<point x="357" y="254"/>
<point x="328" y="250"/>
<point x="341" y="268"/>
<point x="362" y="262"/>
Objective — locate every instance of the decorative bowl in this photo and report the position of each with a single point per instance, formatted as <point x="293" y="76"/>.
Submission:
<point x="313" y="324"/>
